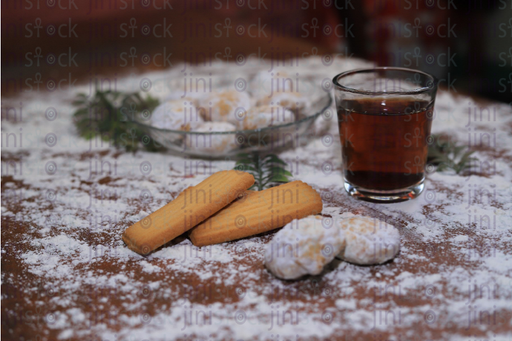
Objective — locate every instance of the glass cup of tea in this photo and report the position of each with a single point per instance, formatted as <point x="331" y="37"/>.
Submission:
<point x="385" y="116"/>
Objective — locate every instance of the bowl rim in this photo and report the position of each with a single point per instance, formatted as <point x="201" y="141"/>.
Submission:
<point x="251" y="131"/>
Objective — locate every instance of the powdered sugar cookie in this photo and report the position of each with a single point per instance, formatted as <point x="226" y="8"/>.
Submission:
<point x="225" y="106"/>
<point x="216" y="144"/>
<point x="368" y="240"/>
<point x="266" y="83"/>
<point x="178" y="114"/>
<point x="290" y="100"/>
<point x="303" y="247"/>
<point x="267" y="116"/>
<point x="278" y="87"/>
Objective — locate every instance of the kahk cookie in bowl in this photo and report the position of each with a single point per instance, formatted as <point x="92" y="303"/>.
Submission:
<point x="290" y="100"/>
<point x="267" y="116"/>
<point x="224" y="106"/>
<point x="216" y="144"/>
<point x="177" y="114"/>
<point x="224" y="120"/>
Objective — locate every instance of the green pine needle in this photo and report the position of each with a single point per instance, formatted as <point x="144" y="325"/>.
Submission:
<point x="448" y="155"/>
<point x="108" y="114"/>
<point x="267" y="170"/>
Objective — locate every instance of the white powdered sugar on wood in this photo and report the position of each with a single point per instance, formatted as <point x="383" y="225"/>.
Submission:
<point x="73" y="222"/>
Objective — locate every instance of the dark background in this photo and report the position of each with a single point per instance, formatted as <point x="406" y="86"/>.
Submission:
<point x="466" y="44"/>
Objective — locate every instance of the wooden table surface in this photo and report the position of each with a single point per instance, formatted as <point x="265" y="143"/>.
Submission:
<point x="66" y="273"/>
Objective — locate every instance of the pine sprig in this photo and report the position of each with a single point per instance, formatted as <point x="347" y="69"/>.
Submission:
<point x="267" y="170"/>
<point x="448" y="155"/>
<point x="108" y="115"/>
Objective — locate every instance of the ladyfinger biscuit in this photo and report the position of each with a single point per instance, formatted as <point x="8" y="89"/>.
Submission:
<point x="258" y="212"/>
<point x="190" y="207"/>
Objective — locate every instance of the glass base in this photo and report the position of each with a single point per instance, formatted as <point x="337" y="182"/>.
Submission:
<point x="391" y="196"/>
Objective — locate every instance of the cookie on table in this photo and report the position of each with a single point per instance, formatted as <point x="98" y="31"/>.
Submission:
<point x="177" y="114"/>
<point x="368" y="241"/>
<point x="258" y="212"/>
<point x="212" y="143"/>
<point x="267" y="116"/>
<point x="225" y="106"/>
<point x="303" y="247"/>
<point x="188" y="209"/>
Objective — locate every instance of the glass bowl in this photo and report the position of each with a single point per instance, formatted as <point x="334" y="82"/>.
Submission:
<point x="230" y="143"/>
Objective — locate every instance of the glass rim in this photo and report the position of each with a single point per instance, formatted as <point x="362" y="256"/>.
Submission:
<point x="416" y="91"/>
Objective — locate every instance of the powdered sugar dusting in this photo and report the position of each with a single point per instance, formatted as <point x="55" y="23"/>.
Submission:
<point x="68" y="275"/>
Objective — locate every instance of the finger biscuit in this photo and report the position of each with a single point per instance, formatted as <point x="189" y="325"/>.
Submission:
<point x="190" y="207"/>
<point x="258" y="212"/>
